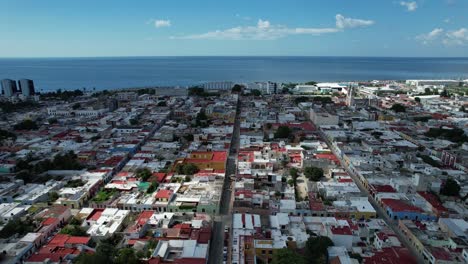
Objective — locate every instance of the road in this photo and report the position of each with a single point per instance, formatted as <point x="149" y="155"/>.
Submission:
<point x="380" y="212"/>
<point x="224" y="217"/>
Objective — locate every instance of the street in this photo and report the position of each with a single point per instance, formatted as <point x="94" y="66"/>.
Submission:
<point x="224" y="217"/>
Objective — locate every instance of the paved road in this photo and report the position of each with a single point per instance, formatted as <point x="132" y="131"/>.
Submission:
<point x="224" y="217"/>
<point x="380" y="212"/>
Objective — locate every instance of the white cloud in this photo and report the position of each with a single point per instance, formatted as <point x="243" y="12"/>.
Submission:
<point x="450" y="38"/>
<point x="162" y="23"/>
<point x="344" y="22"/>
<point x="264" y="30"/>
<point x="431" y="36"/>
<point x="456" y="37"/>
<point x="410" y="6"/>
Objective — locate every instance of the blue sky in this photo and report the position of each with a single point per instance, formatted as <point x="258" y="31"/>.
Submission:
<point x="85" y="28"/>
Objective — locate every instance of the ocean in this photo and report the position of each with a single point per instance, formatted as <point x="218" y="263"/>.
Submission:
<point x="50" y="74"/>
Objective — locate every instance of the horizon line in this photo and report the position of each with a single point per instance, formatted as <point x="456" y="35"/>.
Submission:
<point x="234" y="56"/>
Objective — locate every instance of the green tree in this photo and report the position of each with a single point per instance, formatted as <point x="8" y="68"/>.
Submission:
<point x="291" y="182"/>
<point x="313" y="173"/>
<point x="398" y="108"/>
<point x="187" y="169"/>
<point x="73" y="230"/>
<point x="283" y="132"/>
<point x="76" y="106"/>
<point x="53" y="196"/>
<point x="294" y="173"/>
<point x="462" y="108"/>
<point x="237" y="88"/>
<point x="256" y="92"/>
<point x="163" y="103"/>
<point x="17" y="227"/>
<point x="144" y="174"/>
<point x="450" y="188"/>
<point x="126" y="256"/>
<point x="445" y="93"/>
<point x="27" y="124"/>
<point x="316" y="248"/>
<point x="154" y="185"/>
<point x="133" y="121"/>
<point x="417" y="99"/>
<point x="287" y="256"/>
<point x="52" y="120"/>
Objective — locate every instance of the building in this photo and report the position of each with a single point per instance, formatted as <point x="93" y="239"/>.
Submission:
<point x="8" y="87"/>
<point x="218" y="85"/>
<point x="27" y="87"/>
<point x="323" y="118"/>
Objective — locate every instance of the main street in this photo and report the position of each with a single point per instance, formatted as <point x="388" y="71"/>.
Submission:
<point x="380" y="212"/>
<point x="224" y="217"/>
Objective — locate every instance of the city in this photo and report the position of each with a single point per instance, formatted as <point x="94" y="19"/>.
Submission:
<point x="225" y="172"/>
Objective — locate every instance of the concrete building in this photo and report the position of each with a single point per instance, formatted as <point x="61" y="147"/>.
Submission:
<point x="27" y="87"/>
<point x="218" y="85"/>
<point x="323" y="118"/>
<point x="8" y="87"/>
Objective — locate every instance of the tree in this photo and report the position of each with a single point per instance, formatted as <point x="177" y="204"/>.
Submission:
<point x="311" y="83"/>
<point x="144" y="174"/>
<point x="398" y="108"/>
<point x="73" y="230"/>
<point x="444" y="93"/>
<point x="256" y="92"/>
<point x="462" y="108"/>
<point x="154" y="185"/>
<point x="187" y="169"/>
<point x="52" y="121"/>
<point x="283" y="132"/>
<point x="133" y="121"/>
<point x="316" y="248"/>
<point x="17" y="227"/>
<point x="53" y="196"/>
<point x="189" y="137"/>
<point x="287" y="256"/>
<point x="450" y="188"/>
<point x="291" y="182"/>
<point x="76" y="106"/>
<point x="294" y="173"/>
<point x="236" y="88"/>
<point x="126" y="256"/>
<point x="163" y="103"/>
<point x="27" y="124"/>
<point x="417" y="99"/>
<point x="313" y="173"/>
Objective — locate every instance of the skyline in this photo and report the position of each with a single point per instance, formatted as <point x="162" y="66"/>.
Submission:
<point x="263" y="28"/>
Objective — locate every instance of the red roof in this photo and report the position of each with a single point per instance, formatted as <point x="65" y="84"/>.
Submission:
<point x="391" y="255"/>
<point x="49" y="221"/>
<point x="164" y="194"/>
<point x="341" y="230"/>
<point x="95" y="215"/>
<point x="440" y="253"/>
<point x="345" y="180"/>
<point x="144" y="217"/>
<point x="400" y="206"/>
<point x="190" y="261"/>
<point x="327" y="156"/>
<point x="383" y="188"/>
<point x="160" y="176"/>
<point x="433" y="200"/>
<point x="73" y="240"/>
